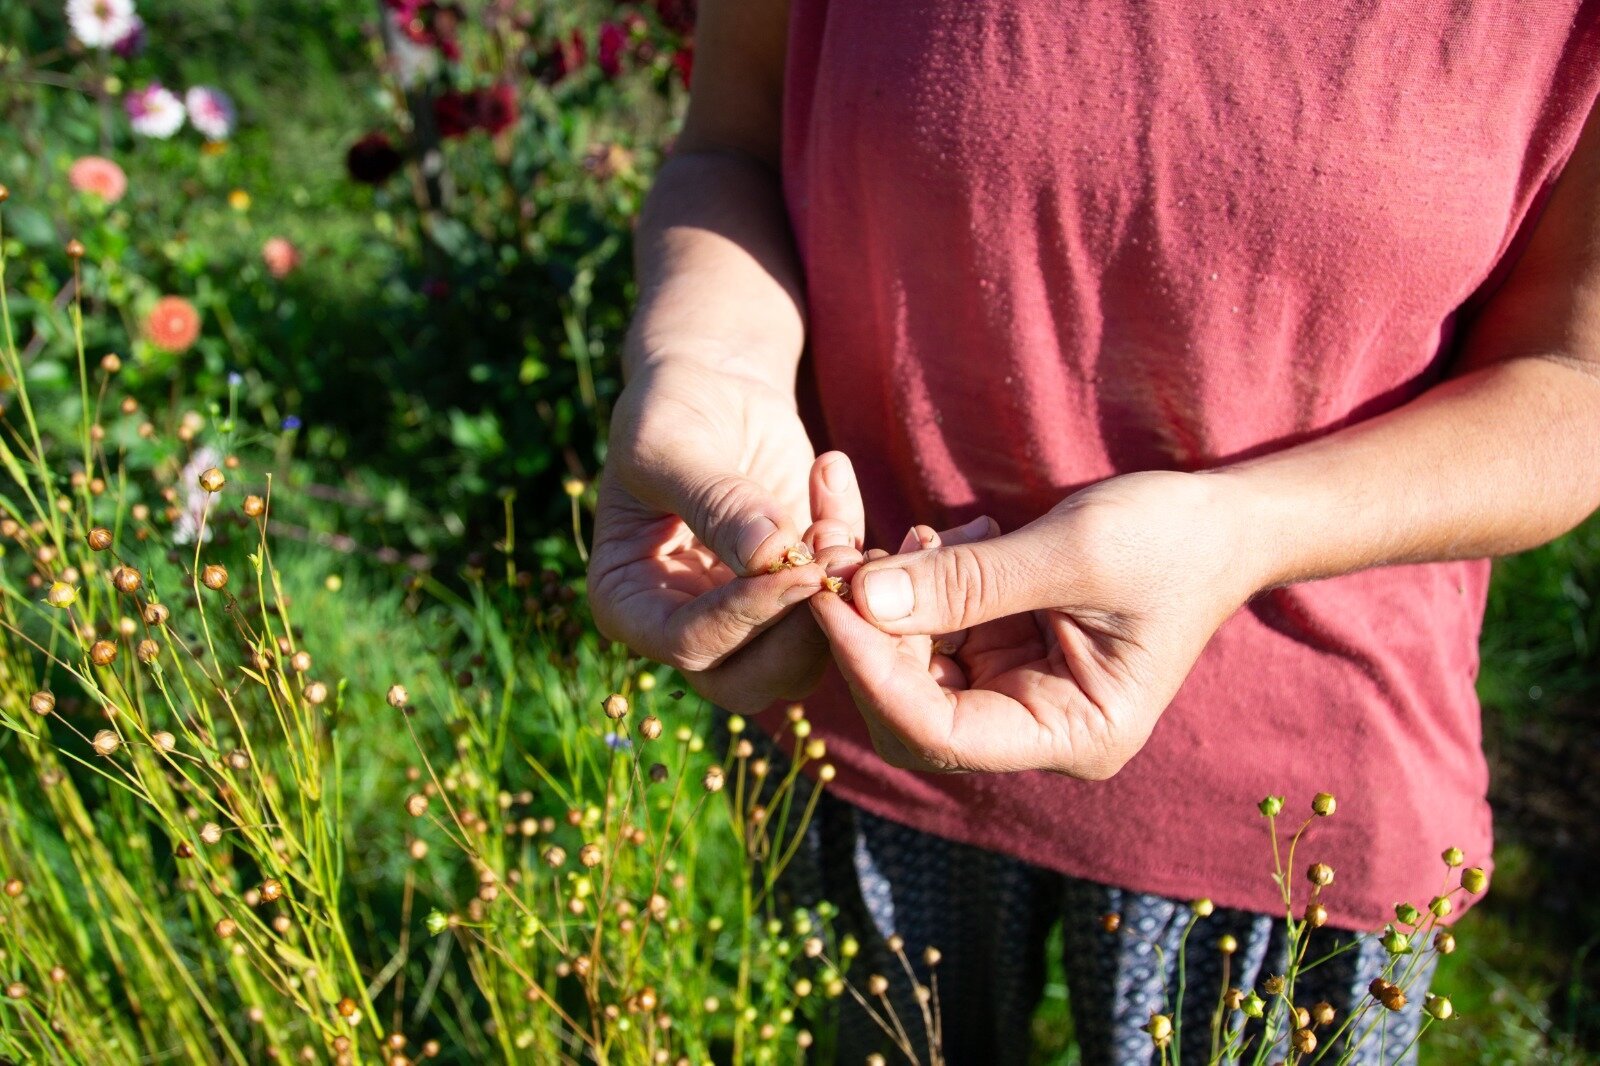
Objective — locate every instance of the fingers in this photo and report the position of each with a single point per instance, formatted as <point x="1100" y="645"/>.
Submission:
<point x="784" y="662"/>
<point x="703" y="632"/>
<point x="739" y="520"/>
<point x="968" y="580"/>
<point x="836" y="507"/>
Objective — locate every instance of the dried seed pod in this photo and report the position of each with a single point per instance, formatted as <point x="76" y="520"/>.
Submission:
<point x="1160" y="1029"/>
<point x="590" y="855"/>
<point x="42" y="703"/>
<point x="1305" y="1041"/>
<point x="211" y="833"/>
<point x="163" y="740"/>
<point x="148" y="651"/>
<point x="102" y="653"/>
<point x="315" y="692"/>
<point x="877" y="984"/>
<point x="1320" y="874"/>
<point x="226" y="927"/>
<point x="555" y="856"/>
<point x="1316" y="915"/>
<point x="838" y="588"/>
<point x="1322" y="1012"/>
<point x="61" y="595"/>
<point x="658" y="772"/>
<point x="214" y="577"/>
<point x="156" y="614"/>
<point x="75" y="249"/>
<point x="615" y="706"/>
<point x="650" y="728"/>
<point x="798" y="555"/>
<point x="300" y="662"/>
<point x="417" y="804"/>
<point x="211" y="479"/>
<point x="127" y="580"/>
<point x="184" y="850"/>
<point x="16" y="990"/>
<point x="347" y="1008"/>
<point x="13" y="887"/>
<point x="714" y="779"/>
<point x="254" y="506"/>
<point x="1444" y="942"/>
<point x="271" y="890"/>
<point x="398" y="697"/>
<point x="106" y="742"/>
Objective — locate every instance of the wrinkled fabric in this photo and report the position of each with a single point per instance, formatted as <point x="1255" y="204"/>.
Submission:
<point x="1045" y="243"/>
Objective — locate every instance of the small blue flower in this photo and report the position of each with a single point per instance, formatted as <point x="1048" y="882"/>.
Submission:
<point x="292" y="423"/>
<point x="618" y="742"/>
<point x="235" y="379"/>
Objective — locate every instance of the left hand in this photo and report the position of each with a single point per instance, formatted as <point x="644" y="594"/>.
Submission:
<point x="1073" y="633"/>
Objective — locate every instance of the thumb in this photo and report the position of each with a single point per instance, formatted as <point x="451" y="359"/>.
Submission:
<point x="732" y="515"/>
<point x="957" y="586"/>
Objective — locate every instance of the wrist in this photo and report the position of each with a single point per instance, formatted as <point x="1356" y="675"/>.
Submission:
<point x="1261" y="524"/>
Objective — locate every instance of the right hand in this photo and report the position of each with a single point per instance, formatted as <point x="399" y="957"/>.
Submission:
<point x="709" y="479"/>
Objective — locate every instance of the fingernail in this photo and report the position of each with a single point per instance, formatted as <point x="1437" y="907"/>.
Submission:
<point x="889" y="594"/>
<point x="832" y="538"/>
<point x="797" y="594"/>
<point x="752" y="536"/>
<point x="909" y="541"/>
<point x="837" y="475"/>
<point x="976" y="526"/>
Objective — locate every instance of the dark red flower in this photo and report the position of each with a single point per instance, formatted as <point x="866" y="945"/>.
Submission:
<point x="455" y="113"/>
<point x="497" y="108"/>
<point x="373" y="159"/>
<point x="683" y="61"/>
<point x="560" y="58"/>
<point x="609" y="49"/>
<point x="676" y="15"/>
<point x="430" y="23"/>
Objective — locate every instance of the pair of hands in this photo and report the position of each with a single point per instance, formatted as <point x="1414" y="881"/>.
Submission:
<point x="1054" y="647"/>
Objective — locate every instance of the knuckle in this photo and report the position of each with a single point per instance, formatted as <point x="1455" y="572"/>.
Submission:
<point x="960" y="585"/>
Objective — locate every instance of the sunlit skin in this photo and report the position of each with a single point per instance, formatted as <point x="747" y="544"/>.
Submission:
<point x="1083" y="623"/>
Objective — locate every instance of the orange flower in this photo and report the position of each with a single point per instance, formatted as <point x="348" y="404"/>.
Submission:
<point x="280" y="255"/>
<point x="172" y="323"/>
<point x="98" y="176"/>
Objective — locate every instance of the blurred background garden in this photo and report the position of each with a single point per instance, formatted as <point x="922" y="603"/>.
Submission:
<point x="380" y="251"/>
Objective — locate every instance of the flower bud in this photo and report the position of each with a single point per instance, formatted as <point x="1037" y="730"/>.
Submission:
<point x="61" y="595"/>
<point x="1441" y="906"/>
<point x="1160" y="1029"/>
<point x="1272" y="806"/>
<point x="1406" y="914"/>
<point x="1453" y="857"/>
<point x="1394" y="941"/>
<point x="1474" y="880"/>
<point x="1203" y="908"/>
<point x="1228" y="944"/>
<point x="1254" y="1006"/>
<point x="1323" y="804"/>
<point x="1439" y="1007"/>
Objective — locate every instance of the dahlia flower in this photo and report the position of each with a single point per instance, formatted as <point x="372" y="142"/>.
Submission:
<point x="280" y="255"/>
<point x="154" y="111"/>
<point x="173" y="324"/>
<point x="210" y="111"/>
<point x="101" y="23"/>
<point x="98" y="176"/>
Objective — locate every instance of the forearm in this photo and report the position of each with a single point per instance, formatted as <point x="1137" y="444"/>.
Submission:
<point x="719" y="282"/>
<point x="1498" y="460"/>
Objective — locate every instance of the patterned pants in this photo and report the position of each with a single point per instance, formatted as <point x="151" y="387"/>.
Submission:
<point x="990" y="917"/>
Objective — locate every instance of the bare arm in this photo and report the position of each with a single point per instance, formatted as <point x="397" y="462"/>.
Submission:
<point x="1502" y="457"/>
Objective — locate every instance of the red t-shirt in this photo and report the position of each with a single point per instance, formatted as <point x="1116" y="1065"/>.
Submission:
<point x="1046" y="243"/>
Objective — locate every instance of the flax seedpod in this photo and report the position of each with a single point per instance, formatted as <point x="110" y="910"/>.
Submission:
<point x="214" y="577"/>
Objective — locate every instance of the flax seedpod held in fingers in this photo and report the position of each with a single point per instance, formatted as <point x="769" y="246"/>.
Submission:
<point x="798" y="555"/>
